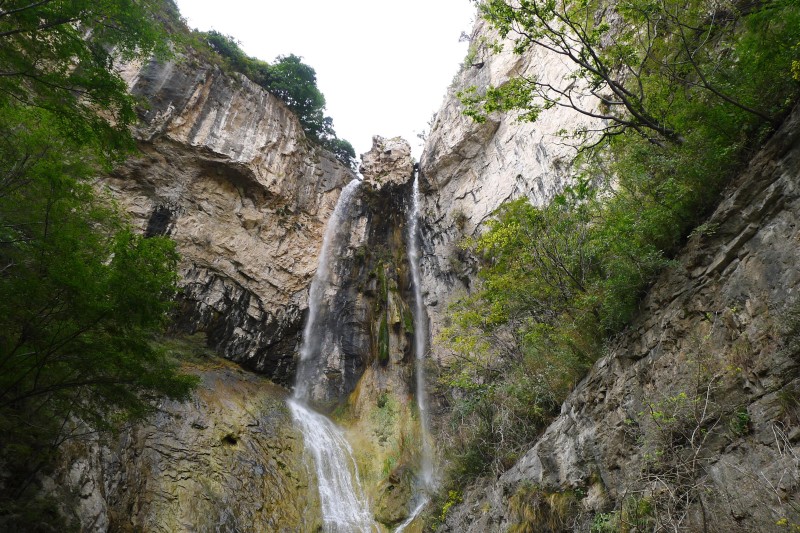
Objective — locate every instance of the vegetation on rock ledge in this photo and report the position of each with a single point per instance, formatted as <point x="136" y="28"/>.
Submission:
<point x="688" y="90"/>
<point x="292" y="81"/>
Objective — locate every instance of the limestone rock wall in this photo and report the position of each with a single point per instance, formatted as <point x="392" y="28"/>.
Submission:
<point x="229" y="459"/>
<point x="469" y="169"/>
<point x="226" y="171"/>
<point x="692" y="421"/>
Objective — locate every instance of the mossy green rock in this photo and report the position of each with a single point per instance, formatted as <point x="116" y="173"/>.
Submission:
<point x="229" y="459"/>
<point x="393" y="496"/>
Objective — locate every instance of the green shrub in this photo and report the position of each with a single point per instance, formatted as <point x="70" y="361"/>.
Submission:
<point x="557" y="281"/>
<point x="534" y="510"/>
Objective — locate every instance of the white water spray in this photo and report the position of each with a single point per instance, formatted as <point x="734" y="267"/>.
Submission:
<point x="312" y="334"/>
<point x="344" y="506"/>
<point x="420" y="337"/>
<point x="417" y="510"/>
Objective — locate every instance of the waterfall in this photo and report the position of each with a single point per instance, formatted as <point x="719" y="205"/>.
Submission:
<point x="344" y="505"/>
<point x="420" y="337"/>
<point x="417" y="510"/>
<point x="313" y="333"/>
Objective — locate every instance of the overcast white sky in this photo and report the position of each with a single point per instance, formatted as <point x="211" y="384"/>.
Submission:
<point x="383" y="66"/>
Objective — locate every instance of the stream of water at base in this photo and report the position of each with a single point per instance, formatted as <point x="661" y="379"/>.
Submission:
<point x="344" y="506"/>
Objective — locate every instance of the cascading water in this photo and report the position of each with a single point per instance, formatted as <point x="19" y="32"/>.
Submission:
<point x="312" y="333"/>
<point x="344" y="505"/>
<point x="420" y="337"/>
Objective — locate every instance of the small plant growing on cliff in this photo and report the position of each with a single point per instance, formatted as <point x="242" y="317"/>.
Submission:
<point x="460" y="219"/>
<point x="453" y="498"/>
<point x="739" y="423"/>
<point x="534" y="510"/>
<point x="636" y="514"/>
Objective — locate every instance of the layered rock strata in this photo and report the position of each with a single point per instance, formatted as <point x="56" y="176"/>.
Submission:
<point x="691" y="422"/>
<point x="226" y="171"/>
<point x="227" y="460"/>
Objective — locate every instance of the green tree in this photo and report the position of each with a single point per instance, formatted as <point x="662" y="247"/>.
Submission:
<point x="226" y="46"/>
<point x="633" y="57"/>
<point x="81" y="296"/>
<point x="58" y="56"/>
<point x="292" y="81"/>
<point x="295" y="83"/>
<point x="343" y="151"/>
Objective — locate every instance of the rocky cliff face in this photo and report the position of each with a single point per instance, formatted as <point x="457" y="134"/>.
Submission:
<point x="364" y="316"/>
<point x="230" y="457"/>
<point x="691" y="413"/>
<point x="469" y="169"/>
<point x="228" y="174"/>
<point x="691" y="422"/>
<point x="227" y="460"/>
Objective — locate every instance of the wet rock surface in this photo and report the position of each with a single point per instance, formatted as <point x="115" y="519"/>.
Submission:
<point x="366" y="312"/>
<point x="393" y="495"/>
<point x="227" y="460"/>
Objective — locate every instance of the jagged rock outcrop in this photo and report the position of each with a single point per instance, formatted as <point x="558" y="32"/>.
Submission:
<point x="365" y="313"/>
<point x="387" y="163"/>
<point x="226" y="171"/>
<point x="469" y="169"/>
<point x="692" y="420"/>
<point x="229" y="459"/>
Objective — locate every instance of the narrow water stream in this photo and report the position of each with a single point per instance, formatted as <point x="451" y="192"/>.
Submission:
<point x="345" y="507"/>
<point x="313" y="332"/>
<point x="420" y="338"/>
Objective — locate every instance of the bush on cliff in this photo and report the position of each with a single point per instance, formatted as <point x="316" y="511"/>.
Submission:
<point x="555" y="282"/>
<point x="292" y="81"/>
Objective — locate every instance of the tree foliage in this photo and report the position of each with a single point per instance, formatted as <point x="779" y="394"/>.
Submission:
<point x="58" y="56"/>
<point x="295" y="83"/>
<point x="82" y="296"/>
<point x="637" y="58"/>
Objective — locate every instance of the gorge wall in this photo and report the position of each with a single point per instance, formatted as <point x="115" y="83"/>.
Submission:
<point x="226" y="171"/>
<point x="690" y="423"/>
<point x="469" y="169"/>
<point x="695" y="407"/>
